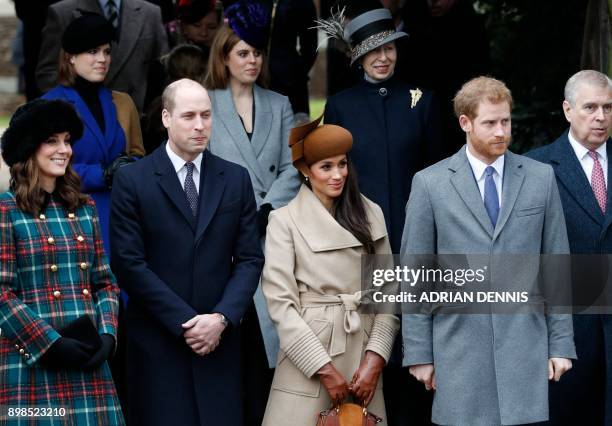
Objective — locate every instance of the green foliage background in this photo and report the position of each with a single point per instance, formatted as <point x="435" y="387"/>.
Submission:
<point x="535" y="47"/>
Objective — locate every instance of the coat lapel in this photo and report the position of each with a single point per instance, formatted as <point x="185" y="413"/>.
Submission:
<point x="169" y="182"/>
<point x="511" y="186"/>
<point x="212" y="185"/>
<point x="319" y="228"/>
<point x="224" y="113"/>
<point x="87" y="118"/>
<point x="263" y="120"/>
<point x="569" y="171"/>
<point x="465" y="184"/>
<point x="128" y="36"/>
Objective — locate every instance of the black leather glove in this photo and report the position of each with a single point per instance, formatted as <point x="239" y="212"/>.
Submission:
<point x="102" y="354"/>
<point x="117" y="163"/>
<point x="67" y="353"/>
<point x="262" y="217"/>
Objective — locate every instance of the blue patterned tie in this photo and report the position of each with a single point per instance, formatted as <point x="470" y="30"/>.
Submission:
<point x="491" y="200"/>
<point x="190" y="189"/>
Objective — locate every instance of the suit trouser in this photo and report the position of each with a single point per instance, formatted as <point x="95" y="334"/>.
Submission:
<point x="256" y="376"/>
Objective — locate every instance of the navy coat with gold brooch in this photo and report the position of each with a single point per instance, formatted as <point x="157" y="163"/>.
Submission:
<point x="396" y="133"/>
<point x="53" y="270"/>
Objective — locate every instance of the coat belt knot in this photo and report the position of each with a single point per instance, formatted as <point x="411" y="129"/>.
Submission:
<point x="346" y="319"/>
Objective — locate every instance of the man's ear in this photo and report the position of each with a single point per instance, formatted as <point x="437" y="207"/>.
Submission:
<point x="566" y="110"/>
<point x="465" y="123"/>
<point x="165" y="118"/>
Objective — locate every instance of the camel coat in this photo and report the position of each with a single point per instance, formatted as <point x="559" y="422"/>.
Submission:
<point x="311" y="275"/>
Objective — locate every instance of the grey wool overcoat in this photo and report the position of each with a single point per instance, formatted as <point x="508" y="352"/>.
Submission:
<point x="490" y="369"/>
<point x="312" y="280"/>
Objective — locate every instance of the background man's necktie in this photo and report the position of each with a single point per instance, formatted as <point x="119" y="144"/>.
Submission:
<point x="112" y="13"/>
<point x="491" y="199"/>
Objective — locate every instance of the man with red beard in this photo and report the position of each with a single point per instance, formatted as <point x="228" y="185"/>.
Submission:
<point x="492" y="368"/>
<point x="580" y="159"/>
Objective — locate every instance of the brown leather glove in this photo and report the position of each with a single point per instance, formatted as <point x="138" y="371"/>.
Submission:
<point x="334" y="383"/>
<point x="366" y="377"/>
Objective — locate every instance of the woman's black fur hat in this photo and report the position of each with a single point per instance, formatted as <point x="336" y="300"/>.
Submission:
<point x="33" y="123"/>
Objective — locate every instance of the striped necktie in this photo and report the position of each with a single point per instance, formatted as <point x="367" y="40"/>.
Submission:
<point x="112" y="13"/>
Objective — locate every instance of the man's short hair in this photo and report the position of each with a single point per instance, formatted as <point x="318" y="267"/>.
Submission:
<point x="480" y="89"/>
<point x="168" y="96"/>
<point x="588" y="77"/>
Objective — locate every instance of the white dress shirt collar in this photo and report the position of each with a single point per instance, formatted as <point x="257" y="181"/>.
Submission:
<point x="581" y="151"/>
<point x="479" y="166"/>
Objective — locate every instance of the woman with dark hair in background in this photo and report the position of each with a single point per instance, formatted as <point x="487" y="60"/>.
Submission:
<point x="58" y="296"/>
<point x="198" y="22"/>
<point x="312" y="283"/>
<point x="251" y="127"/>
<point x="112" y="136"/>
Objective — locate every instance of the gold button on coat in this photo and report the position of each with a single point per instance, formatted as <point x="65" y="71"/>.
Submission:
<point x="57" y="294"/>
<point x="51" y="240"/>
<point x="27" y="356"/>
<point x="80" y="239"/>
<point x="42" y="217"/>
<point x="21" y="351"/>
<point x="83" y="265"/>
<point x="70" y="215"/>
<point x="86" y="292"/>
<point x="17" y="347"/>
<point x="53" y="268"/>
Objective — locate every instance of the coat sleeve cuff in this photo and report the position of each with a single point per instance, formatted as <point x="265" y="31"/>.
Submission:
<point x="34" y="352"/>
<point x="562" y="350"/>
<point x="307" y="353"/>
<point x="383" y="335"/>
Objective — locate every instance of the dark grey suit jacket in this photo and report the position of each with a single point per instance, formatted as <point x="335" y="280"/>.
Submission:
<point x="142" y="39"/>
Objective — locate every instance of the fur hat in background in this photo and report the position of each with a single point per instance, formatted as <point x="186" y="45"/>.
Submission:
<point x="33" y="123"/>
<point x="86" y="32"/>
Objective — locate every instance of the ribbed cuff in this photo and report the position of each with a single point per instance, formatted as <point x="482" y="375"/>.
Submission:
<point x="383" y="336"/>
<point x="307" y="353"/>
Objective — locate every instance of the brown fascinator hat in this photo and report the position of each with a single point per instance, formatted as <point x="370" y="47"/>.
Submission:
<point x="311" y="143"/>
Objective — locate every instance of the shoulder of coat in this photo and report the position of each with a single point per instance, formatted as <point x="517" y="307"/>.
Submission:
<point x="122" y="99"/>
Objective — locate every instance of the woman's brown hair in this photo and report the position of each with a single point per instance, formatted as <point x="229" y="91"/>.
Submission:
<point x="217" y="75"/>
<point x="66" y="75"/>
<point x="30" y="197"/>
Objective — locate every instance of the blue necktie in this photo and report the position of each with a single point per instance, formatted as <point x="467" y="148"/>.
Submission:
<point x="190" y="189"/>
<point x="491" y="200"/>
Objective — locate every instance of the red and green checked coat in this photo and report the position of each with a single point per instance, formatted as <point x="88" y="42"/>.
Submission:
<point x="53" y="270"/>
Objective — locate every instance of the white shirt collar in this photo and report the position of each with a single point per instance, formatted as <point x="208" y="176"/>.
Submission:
<point x="581" y="151"/>
<point x="478" y="166"/>
<point x="179" y="163"/>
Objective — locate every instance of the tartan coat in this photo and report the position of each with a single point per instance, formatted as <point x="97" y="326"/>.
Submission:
<point x="53" y="269"/>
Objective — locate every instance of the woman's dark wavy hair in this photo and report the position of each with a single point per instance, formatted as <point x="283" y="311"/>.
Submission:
<point x="30" y="197"/>
<point x="349" y="210"/>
